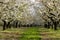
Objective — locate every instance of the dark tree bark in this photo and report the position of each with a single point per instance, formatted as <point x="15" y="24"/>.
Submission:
<point x="19" y="24"/>
<point x="45" y="25"/>
<point x="48" y="25"/>
<point x="8" y="25"/>
<point x="4" y="25"/>
<point x="16" y="24"/>
<point x="52" y="26"/>
<point x="30" y="25"/>
<point x="55" y="25"/>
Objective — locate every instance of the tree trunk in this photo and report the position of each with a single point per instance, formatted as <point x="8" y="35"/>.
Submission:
<point x="4" y="25"/>
<point x="8" y="25"/>
<point x="52" y="26"/>
<point x="45" y="25"/>
<point x="19" y="25"/>
<point x="48" y="25"/>
<point x="16" y="24"/>
<point x="55" y="25"/>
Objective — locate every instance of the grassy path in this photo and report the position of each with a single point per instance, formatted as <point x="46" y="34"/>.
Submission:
<point x="49" y="34"/>
<point x="30" y="33"/>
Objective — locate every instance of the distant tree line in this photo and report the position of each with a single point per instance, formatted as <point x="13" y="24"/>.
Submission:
<point x="26" y="14"/>
<point x="17" y="24"/>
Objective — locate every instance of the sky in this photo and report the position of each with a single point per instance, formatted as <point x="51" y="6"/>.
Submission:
<point x="32" y="0"/>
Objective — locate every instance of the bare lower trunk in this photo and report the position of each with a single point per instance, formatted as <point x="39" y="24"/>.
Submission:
<point x="8" y="25"/>
<point x="16" y="24"/>
<point x="55" y="25"/>
<point x="45" y="25"/>
<point x="4" y="25"/>
<point x="19" y="25"/>
<point x="48" y="25"/>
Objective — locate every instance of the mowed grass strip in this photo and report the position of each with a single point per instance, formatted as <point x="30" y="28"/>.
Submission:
<point x="26" y="33"/>
<point x="29" y="33"/>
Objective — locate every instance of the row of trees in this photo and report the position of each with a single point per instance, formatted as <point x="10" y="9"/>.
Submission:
<point x="24" y="12"/>
<point x="52" y="13"/>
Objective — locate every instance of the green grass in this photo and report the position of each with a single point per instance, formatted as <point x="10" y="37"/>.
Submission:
<point x="29" y="33"/>
<point x="23" y="33"/>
